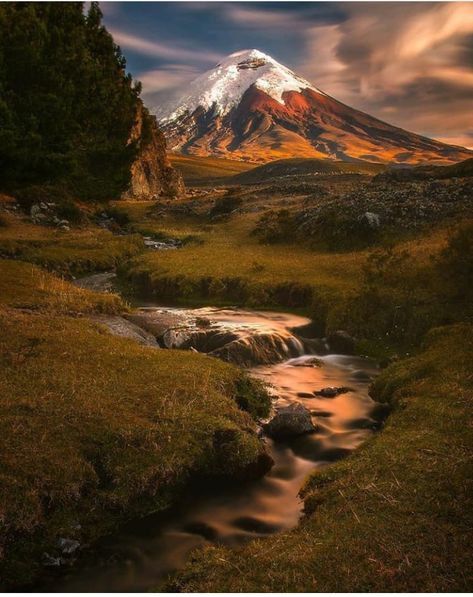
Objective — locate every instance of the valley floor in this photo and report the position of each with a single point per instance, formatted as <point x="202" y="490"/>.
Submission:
<point x="97" y="429"/>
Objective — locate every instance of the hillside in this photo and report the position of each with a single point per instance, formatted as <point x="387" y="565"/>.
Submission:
<point x="304" y="168"/>
<point x="460" y="170"/>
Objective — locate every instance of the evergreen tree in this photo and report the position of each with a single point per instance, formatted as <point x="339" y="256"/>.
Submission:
<point x="67" y="105"/>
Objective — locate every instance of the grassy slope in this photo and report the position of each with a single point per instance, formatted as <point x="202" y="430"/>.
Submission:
<point x="395" y="516"/>
<point x="94" y="428"/>
<point x="70" y="253"/>
<point x="195" y="169"/>
<point x="229" y="251"/>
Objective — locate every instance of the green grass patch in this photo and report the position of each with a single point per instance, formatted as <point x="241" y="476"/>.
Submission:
<point x="67" y="252"/>
<point x="396" y="515"/>
<point x="231" y="266"/>
<point x="97" y="429"/>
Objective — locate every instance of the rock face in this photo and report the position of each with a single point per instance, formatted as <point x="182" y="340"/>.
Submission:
<point x="152" y="175"/>
<point x="341" y="341"/>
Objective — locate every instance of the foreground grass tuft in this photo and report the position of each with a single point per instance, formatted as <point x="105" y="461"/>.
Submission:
<point x="26" y="286"/>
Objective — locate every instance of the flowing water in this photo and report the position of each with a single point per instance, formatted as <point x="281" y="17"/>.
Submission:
<point x="144" y="551"/>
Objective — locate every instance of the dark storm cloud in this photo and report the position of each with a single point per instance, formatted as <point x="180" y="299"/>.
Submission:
<point x="410" y="63"/>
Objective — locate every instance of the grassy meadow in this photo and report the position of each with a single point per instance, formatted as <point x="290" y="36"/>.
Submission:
<point x="97" y="429"/>
<point x="197" y="170"/>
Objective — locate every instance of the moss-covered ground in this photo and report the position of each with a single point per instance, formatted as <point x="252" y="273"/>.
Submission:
<point x="96" y="429"/>
<point x="70" y="253"/>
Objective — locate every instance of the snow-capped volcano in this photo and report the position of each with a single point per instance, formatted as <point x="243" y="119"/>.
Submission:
<point x="249" y="106"/>
<point x="223" y="87"/>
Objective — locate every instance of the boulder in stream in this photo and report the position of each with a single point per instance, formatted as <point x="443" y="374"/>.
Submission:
<point x="332" y="392"/>
<point x="290" y="421"/>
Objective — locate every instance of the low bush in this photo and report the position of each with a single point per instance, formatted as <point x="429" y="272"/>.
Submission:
<point x="276" y="227"/>
<point x="225" y="205"/>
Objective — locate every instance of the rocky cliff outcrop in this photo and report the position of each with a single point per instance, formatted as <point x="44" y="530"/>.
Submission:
<point x="152" y="175"/>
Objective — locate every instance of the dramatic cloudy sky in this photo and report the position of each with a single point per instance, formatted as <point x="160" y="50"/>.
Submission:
<point x="409" y="63"/>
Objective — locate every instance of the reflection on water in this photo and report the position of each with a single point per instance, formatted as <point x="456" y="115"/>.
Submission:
<point x="145" y="550"/>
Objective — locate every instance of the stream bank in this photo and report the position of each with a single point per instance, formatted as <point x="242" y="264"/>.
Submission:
<point x="146" y="550"/>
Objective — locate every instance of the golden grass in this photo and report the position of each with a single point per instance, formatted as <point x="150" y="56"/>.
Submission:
<point x="69" y="252"/>
<point x="195" y="169"/>
<point x="230" y="251"/>
<point x="26" y="286"/>
<point x="96" y="429"/>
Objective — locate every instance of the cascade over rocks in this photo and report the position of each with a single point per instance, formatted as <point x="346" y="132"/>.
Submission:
<point x="243" y="344"/>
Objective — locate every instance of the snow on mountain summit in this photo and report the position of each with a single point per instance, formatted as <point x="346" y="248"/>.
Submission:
<point x="222" y="87"/>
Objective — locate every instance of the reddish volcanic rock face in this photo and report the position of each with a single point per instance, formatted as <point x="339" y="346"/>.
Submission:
<point x="262" y="118"/>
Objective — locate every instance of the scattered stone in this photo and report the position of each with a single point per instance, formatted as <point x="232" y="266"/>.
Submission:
<point x="304" y="395"/>
<point x="312" y="362"/>
<point x="68" y="546"/>
<point x="203" y="322"/>
<point x="35" y="210"/>
<point x="119" y="326"/>
<point x="51" y="561"/>
<point x="290" y="421"/>
<point x="102" y="282"/>
<point x="156" y="245"/>
<point x="317" y="345"/>
<point x="158" y="322"/>
<point x="371" y="220"/>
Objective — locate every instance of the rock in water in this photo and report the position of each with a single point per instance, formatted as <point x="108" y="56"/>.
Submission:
<point x="290" y="421"/>
<point x="151" y="173"/>
<point x="332" y="392"/>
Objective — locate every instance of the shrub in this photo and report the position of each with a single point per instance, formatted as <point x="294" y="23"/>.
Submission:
<point x="455" y="265"/>
<point x="121" y="217"/>
<point x="276" y="227"/>
<point x="68" y="210"/>
<point x="225" y="205"/>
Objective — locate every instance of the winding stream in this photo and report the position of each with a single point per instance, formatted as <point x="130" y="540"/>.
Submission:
<point x="137" y="558"/>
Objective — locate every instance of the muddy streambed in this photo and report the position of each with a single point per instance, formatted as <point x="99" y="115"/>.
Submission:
<point x="144" y="551"/>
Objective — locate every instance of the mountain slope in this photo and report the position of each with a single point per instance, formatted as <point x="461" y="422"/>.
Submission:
<point x="251" y="107"/>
